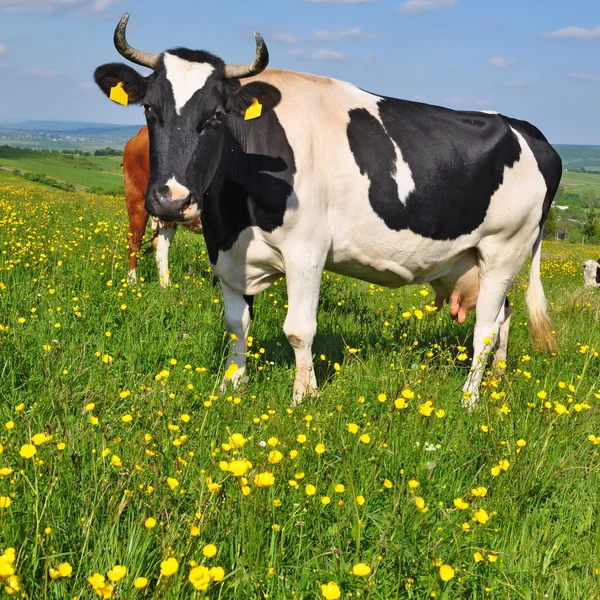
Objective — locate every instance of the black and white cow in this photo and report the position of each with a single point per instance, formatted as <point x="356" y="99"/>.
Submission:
<point x="332" y="177"/>
<point x="591" y="273"/>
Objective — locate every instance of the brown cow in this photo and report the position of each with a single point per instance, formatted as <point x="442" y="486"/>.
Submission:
<point x="136" y="172"/>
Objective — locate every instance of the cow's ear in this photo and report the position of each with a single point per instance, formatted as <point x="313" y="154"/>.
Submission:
<point x="122" y="81"/>
<point x="253" y="100"/>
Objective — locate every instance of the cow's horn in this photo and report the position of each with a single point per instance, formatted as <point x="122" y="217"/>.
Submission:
<point x="261" y="60"/>
<point x="145" y="59"/>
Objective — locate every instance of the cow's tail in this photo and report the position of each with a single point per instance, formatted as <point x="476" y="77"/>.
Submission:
<point x="540" y="326"/>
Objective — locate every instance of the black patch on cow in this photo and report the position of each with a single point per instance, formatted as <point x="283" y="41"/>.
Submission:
<point x="548" y="160"/>
<point x="250" y="302"/>
<point x="598" y="272"/>
<point x="258" y="178"/>
<point x="457" y="160"/>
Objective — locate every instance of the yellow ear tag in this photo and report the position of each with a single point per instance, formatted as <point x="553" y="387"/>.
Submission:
<point x="119" y="95"/>
<point x="253" y="111"/>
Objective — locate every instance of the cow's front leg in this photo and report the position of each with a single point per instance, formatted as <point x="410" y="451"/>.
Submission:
<point x="300" y="327"/>
<point x="238" y="317"/>
<point x="162" y="243"/>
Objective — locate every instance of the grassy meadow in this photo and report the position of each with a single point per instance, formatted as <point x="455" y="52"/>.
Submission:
<point x="125" y="473"/>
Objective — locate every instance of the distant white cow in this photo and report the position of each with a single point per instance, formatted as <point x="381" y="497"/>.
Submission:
<point x="591" y="273"/>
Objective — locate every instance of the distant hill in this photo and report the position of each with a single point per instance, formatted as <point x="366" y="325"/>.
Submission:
<point x="66" y="135"/>
<point x="575" y="157"/>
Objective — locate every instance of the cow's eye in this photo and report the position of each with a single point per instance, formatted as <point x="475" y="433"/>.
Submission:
<point x="219" y="114"/>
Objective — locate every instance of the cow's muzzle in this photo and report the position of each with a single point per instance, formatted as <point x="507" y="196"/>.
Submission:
<point x="160" y="204"/>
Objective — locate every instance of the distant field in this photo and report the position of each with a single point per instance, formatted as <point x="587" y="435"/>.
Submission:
<point x="586" y="180"/>
<point x="82" y="171"/>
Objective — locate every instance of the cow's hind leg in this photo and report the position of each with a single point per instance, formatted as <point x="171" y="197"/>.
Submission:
<point x="162" y="243"/>
<point x="498" y="270"/>
<point x="300" y="326"/>
<point x="502" y="343"/>
<point x="238" y="318"/>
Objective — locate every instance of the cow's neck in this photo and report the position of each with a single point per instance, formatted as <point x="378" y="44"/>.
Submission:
<point x="256" y="179"/>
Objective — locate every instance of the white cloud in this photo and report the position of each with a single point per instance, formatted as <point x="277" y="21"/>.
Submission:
<point x="581" y="34"/>
<point x="331" y="55"/>
<point x="464" y="102"/>
<point x="40" y="71"/>
<point x="335" y="36"/>
<point x="340" y="1"/>
<point x="48" y="7"/>
<point x="500" y="61"/>
<point x="516" y="83"/>
<point x="584" y="77"/>
<point x="297" y="52"/>
<point x="415" y="7"/>
<point x="3" y="49"/>
<point x="286" y="38"/>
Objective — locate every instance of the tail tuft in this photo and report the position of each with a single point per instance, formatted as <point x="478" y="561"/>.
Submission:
<point x="540" y="326"/>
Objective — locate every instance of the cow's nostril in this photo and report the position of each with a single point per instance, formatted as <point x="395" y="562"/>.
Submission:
<point x="162" y="193"/>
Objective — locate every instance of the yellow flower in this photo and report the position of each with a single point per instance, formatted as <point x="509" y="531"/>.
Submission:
<point x="272" y="441"/>
<point x="521" y="443"/>
<point x="115" y="461"/>
<point x="274" y="457"/>
<point x="199" y="577"/>
<point x="264" y="479"/>
<point x="194" y="531"/>
<point x="126" y="418"/>
<point x="361" y="570"/>
<point x="140" y="583"/>
<point x="479" y="492"/>
<point x="413" y="484"/>
<point x="400" y="403"/>
<point x="169" y="567"/>
<point x="117" y="573"/>
<point x="330" y="591"/>
<point x="365" y="438"/>
<point x="461" y="504"/>
<point x="231" y="370"/>
<point x="495" y="471"/>
<point x="39" y="438"/>
<point x="381" y="397"/>
<point x="310" y="489"/>
<point x="320" y="448"/>
<point x="419" y="502"/>
<point x="209" y="550"/>
<point x="301" y="438"/>
<point x="238" y="468"/>
<point x="27" y="450"/>
<point x="5" y="471"/>
<point x="426" y="408"/>
<point x="150" y="522"/>
<point x="360" y="500"/>
<point x="388" y="484"/>
<point x="407" y="394"/>
<point x="172" y="482"/>
<point x="237" y="440"/>
<point x="217" y="573"/>
<point x="325" y="500"/>
<point x="477" y="557"/>
<point x="481" y="516"/>
<point x="446" y="572"/>
<point x="340" y="488"/>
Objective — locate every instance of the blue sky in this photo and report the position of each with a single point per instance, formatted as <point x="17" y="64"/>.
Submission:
<point x="537" y="60"/>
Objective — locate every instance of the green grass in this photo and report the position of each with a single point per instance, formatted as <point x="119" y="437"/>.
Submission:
<point x="82" y="171"/>
<point x="86" y="338"/>
<point x="581" y="181"/>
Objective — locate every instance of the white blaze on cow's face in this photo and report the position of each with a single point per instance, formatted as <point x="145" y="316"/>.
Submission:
<point x="186" y="78"/>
